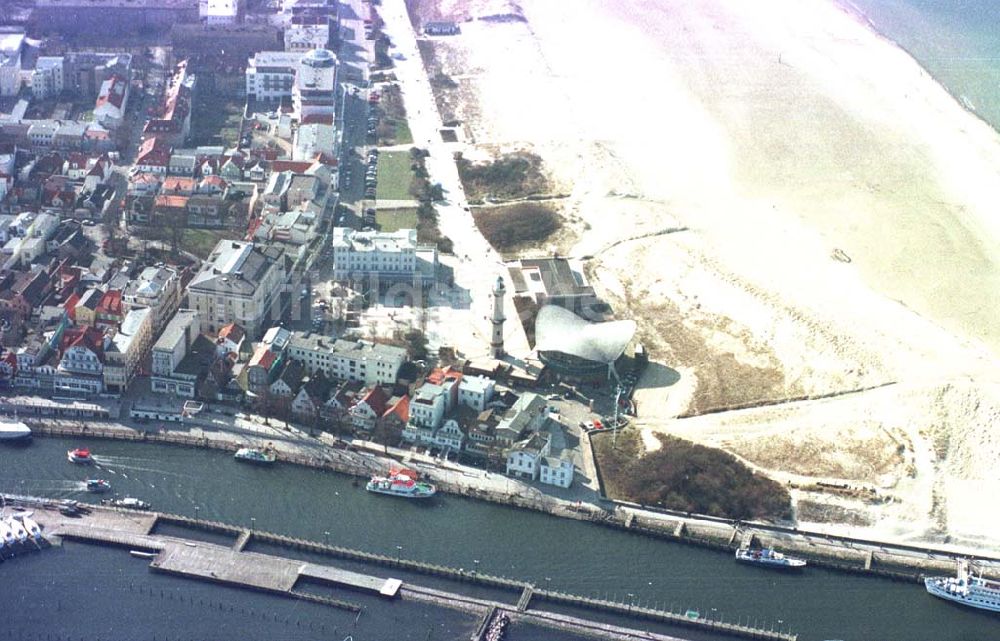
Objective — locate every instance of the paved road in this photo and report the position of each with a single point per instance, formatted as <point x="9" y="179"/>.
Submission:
<point x="477" y="264"/>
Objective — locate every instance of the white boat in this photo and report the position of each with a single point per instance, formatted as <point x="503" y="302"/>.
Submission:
<point x="34" y="530"/>
<point x="966" y="589"/>
<point x="769" y="558"/>
<point x="6" y="534"/>
<point x="14" y="431"/>
<point x="17" y="528"/>
<point x="401" y="485"/>
<point x="127" y="502"/>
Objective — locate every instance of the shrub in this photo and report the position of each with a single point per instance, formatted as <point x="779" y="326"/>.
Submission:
<point x="685" y="476"/>
<point x="509" y="227"/>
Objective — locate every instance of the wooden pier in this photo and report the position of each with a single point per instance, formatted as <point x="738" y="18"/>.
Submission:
<point x="525" y="600"/>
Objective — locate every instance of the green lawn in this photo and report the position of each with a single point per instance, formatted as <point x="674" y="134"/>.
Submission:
<point x="394" y="219"/>
<point x="216" y="120"/>
<point x="201" y="242"/>
<point x="394" y="176"/>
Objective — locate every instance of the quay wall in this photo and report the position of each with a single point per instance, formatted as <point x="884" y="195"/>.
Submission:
<point x="892" y="561"/>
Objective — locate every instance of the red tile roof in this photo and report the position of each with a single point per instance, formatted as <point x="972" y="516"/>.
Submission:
<point x="111" y="303"/>
<point x="376" y="399"/>
<point x="400" y="408"/>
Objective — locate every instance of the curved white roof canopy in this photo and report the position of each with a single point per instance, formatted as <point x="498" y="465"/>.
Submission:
<point x="559" y="330"/>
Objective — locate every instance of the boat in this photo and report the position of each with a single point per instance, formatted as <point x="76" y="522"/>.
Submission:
<point x="401" y="485"/>
<point x="34" y="531"/>
<point x="127" y="502"/>
<point x="768" y="557"/>
<point x="20" y="533"/>
<point x="6" y="535"/>
<point x="80" y="455"/>
<point x="14" y="431"/>
<point x="966" y="589"/>
<point x="253" y="455"/>
<point x="139" y="554"/>
<point x="98" y="485"/>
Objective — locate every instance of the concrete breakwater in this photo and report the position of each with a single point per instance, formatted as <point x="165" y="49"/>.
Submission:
<point x="898" y="562"/>
<point x="231" y="565"/>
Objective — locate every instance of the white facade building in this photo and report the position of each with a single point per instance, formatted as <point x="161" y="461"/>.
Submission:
<point x="556" y="471"/>
<point x="270" y="75"/>
<point x="48" y="78"/>
<point x="370" y="363"/>
<point x="524" y="459"/>
<point x="476" y="392"/>
<point x="428" y="405"/>
<point x="170" y="349"/>
<point x="218" y="12"/>
<point x="125" y="350"/>
<point x="159" y="289"/>
<point x="360" y="254"/>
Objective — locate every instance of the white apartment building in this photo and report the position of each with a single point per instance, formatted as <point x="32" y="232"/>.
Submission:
<point x="301" y="38"/>
<point x="524" y="459"/>
<point x="270" y="75"/>
<point x="476" y="392"/>
<point x="125" y="350"/>
<point x="48" y="77"/>
<point x="360" y="254"/>
<point x="219" y="12"/>
<point x="239" y="283"/>
<point x="428" y="405"/>
<point x="309" y="79"/>
<point x="159" y="289"/>
<point x="370" y="363"/>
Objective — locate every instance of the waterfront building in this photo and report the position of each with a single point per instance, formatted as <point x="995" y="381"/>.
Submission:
<point x="572" y="348"/>
<point x="557" y="471"/>
<point x="527" y="414"/>
<point x="240" y="282"/>
<point x="126" y="349"/>
<point x="81" y="362"/>
<point x="369" y="408"/>
<point x="524" y="457"/>
<point x="169" y="352"/>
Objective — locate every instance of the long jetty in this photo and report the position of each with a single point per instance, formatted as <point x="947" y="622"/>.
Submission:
<point x="235" y="565"/>
<point x="899" y="562"/>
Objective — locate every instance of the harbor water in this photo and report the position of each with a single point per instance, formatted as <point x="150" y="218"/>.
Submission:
<point x="554" y="553"/>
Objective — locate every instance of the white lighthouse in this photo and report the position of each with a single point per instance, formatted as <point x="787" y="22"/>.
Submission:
<point x="496" y="343"/>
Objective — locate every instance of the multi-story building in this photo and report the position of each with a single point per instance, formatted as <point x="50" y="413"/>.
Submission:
<point x="315" y="90"/>
<point x="428" y="405"/>
<point x="219" y="12"/>
<point x="556" y="471"/>
<point x="306" y="34"/>
<point x="309" y="79"/>
<point x="81" y="362"/>
<point x="170" y="350"/>
<point x="366" y="254"/>
<point x="11" y="47"/>
<point x="112" y="100"/>
<point x="370" y="363"/>
<point x="159" y="289"/>
<point x="48" y="79"/>
<point x="270" y="75"/>
<point x="524" y="459"/>
<point x="475" y="392"/>
<point x="239" y="282"/>
<point x="126" y="349"/>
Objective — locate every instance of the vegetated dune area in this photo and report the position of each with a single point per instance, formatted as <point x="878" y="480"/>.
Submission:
<point x="802" y="221"/>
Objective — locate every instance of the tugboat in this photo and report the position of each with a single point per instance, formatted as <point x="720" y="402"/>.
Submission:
<point x="253" y="455"/>
<point x="98" y="486"/>
<point x="127" y="502"/>
<point x="768" y="557"/>
<point x="401" y="485"/>
<point x="966" y="589"/>
<point x="80" y="455"/>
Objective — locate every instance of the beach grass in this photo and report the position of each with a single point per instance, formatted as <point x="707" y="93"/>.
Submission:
<point x="390" y="220"/>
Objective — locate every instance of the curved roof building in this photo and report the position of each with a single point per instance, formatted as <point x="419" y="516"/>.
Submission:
<point x="574" y="347"/>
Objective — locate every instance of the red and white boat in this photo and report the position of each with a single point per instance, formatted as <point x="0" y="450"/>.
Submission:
<point x="80" y="455"/>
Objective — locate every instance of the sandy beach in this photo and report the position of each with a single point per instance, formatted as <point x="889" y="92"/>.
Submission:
<point x="838" y="233"/>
